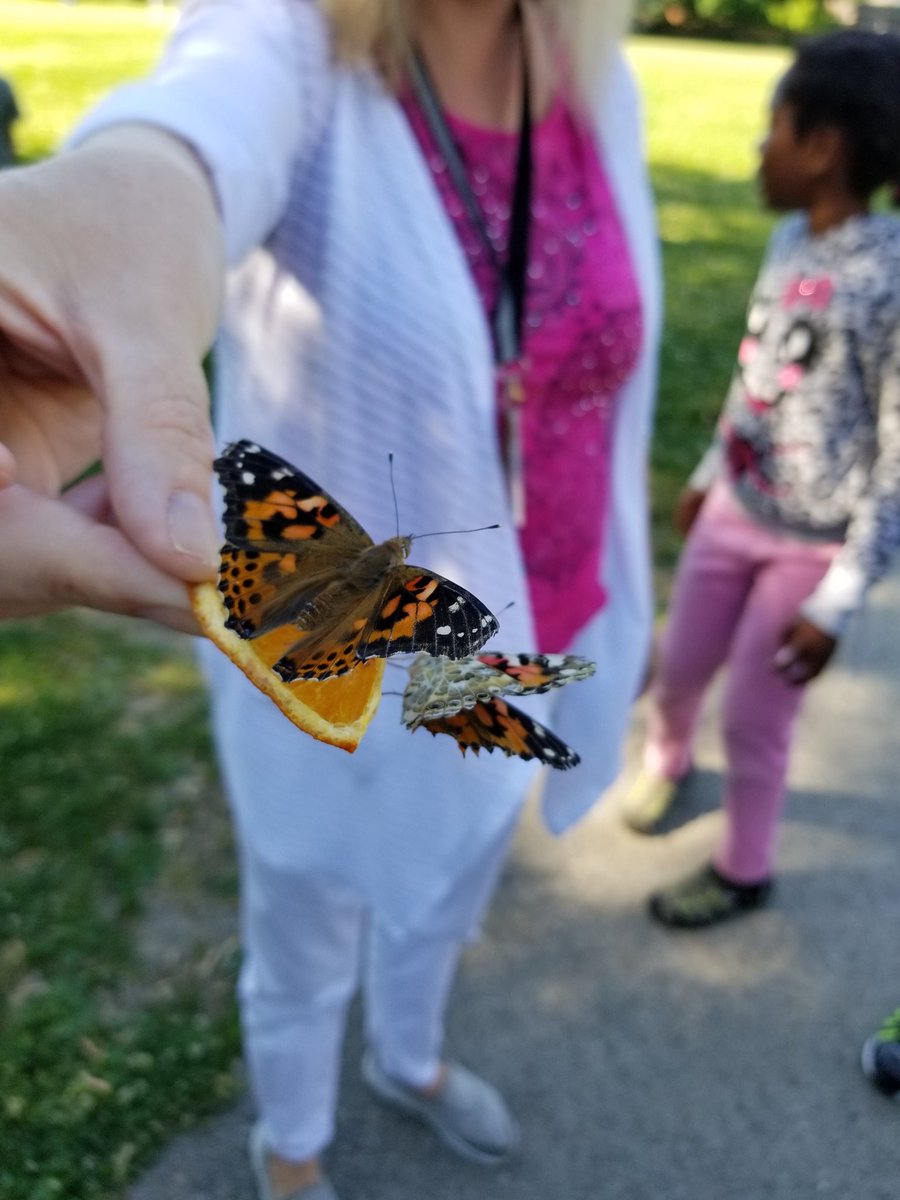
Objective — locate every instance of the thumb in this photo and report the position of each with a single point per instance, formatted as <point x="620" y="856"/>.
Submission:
<point x="158" y="451"/>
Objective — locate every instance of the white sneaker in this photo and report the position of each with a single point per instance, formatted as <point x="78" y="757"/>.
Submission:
<point x="467" y="1113"/>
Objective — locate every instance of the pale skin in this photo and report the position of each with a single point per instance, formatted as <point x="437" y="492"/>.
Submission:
<point x="102" y="332"/>
<point x="808" y="173"/>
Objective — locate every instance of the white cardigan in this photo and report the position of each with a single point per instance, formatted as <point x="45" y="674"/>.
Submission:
<point x="353" y="328"/>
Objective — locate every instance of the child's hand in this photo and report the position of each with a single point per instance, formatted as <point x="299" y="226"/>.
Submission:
<point x="687" y="507"/>
<point x="804" y="652"/>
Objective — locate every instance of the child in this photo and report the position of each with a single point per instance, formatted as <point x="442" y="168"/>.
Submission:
<point x="794" y="511"/>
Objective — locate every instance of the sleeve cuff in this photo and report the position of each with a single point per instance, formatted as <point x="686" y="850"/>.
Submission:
<point x="840" y="594"/>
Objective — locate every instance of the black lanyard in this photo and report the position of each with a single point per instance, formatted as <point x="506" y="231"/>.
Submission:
<point x="508" y="315"/>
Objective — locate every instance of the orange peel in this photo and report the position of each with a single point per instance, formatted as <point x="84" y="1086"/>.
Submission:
<point x="337" y="711"/>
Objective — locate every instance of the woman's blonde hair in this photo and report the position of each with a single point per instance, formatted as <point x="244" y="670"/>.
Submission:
<point x="380" y="30"/>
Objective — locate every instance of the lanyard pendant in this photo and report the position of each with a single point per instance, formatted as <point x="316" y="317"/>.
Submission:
<point x="511" y="399"/>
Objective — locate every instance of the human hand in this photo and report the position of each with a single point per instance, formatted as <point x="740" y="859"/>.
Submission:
<point x="804" y="652"/>
<point x="65" y="551"/>
<point x="110" y="277"/>
<point x="687" y="509"/>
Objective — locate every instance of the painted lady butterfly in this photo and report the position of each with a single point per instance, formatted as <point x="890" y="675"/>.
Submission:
<point x="294" y="557"/>
<point x="464" y="700"/>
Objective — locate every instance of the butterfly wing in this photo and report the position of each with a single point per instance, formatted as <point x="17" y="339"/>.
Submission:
<point x="439" y="687"/>
<point x="285" y="540"/>
<point x="535" y="672"/>
<point x="498" y="724"/>
<point x="417" y="611"/>
<point x="423" y="611"/>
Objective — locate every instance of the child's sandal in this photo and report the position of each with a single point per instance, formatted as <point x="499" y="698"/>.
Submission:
<point x="881" y="1057"/>
<point x="706" y="898"/>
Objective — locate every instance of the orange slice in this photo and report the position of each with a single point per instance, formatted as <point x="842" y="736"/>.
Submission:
<point x="337" y="711"/>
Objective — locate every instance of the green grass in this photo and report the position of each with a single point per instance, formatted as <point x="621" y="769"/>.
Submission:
<point x="707" y="108"/>
<point x="61" y="58"/>
<point x="117" y="955"/>
<point x="116" y="1025"/>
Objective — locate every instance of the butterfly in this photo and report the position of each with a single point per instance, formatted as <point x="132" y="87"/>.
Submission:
<point x="464" y="699"/>
<point x="294" y="557"/>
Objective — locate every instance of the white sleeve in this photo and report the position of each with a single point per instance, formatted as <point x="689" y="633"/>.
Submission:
<point x="247" y="85"/>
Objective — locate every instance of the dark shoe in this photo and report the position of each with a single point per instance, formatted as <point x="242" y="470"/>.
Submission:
<point x="706" y="898"/>
<point x="881" y="1057"/>
<point x="467" y="1113"/>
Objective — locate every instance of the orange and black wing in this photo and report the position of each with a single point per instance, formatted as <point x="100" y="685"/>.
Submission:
<point x="418" y="611"/>
<point x="285" y="537"/>
<point x="537" y="672"/>
<point x="497" y="724"/>
<point x="422" y="611"/>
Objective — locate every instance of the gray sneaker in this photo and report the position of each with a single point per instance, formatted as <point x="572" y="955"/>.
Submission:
<point x="468" y="1114"/>
<point x="321" y="1190"/>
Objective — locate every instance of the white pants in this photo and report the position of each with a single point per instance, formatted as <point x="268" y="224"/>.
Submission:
<point x="309" y="942"/>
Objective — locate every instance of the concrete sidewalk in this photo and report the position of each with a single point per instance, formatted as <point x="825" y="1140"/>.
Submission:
<point x="653" y="1065"/>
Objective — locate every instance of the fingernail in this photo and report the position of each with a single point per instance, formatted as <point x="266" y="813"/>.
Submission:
<point x="191" y="528"/>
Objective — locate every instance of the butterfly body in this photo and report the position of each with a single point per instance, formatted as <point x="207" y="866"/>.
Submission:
<point x="465" y="700"/>
<point x="294" y="557"/>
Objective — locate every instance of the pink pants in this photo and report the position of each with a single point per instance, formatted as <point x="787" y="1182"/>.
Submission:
<point x="737" y="588"/>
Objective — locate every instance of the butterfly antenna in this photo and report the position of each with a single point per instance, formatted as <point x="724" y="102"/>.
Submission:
<point x="444" y="532"/>
<point x="394" y="491"/>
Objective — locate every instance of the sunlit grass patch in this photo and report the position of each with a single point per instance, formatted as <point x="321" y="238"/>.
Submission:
<point x="706" y="109"/>
<point x="61" y="58"/>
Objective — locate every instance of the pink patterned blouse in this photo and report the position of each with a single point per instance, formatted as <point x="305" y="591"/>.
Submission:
<point x="581" y="341"/>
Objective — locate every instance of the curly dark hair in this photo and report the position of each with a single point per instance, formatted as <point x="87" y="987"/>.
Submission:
<point x="851" y="79"/>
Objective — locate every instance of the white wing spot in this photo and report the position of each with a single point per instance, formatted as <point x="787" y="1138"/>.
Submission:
<point x="444" y="630"/>
<point x="248" y="477"/>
